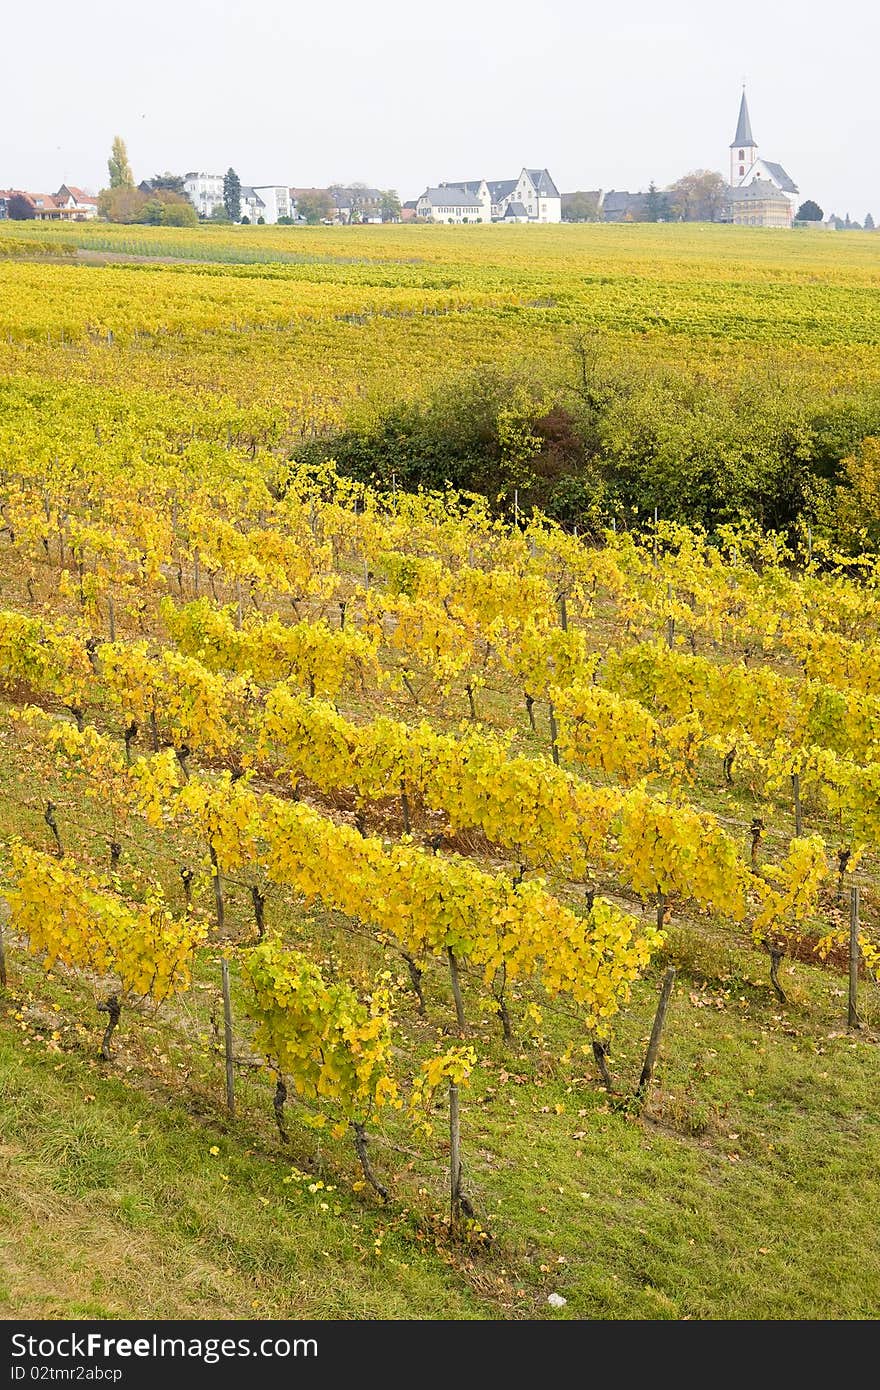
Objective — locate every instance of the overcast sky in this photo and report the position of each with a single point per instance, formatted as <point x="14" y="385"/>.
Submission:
<point x="399" y="94"/>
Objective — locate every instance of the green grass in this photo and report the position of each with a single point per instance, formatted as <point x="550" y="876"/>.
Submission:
<point x="747" y="1188"/>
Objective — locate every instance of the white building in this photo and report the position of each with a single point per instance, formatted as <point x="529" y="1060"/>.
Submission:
<point x="747" y="167"/>
<point x="205" y="192"/>
<point x="450" y="203"/>
<point x="81" y="206"/>
<point x="269" y="201"/>
<point x="276" y="201"/>
<point x="533" y="197"/>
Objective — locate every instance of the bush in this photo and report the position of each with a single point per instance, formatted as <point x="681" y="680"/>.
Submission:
<point x="858" y="500"/>
<point x="179" y="215"/>
<point x="614" y="441"/>
<point x="245" y="221"/>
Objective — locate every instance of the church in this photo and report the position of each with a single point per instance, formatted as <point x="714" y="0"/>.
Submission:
<point x="760" y="193"/>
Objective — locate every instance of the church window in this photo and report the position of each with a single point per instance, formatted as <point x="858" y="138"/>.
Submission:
<point x="742" y="169"/>
<point x="741" y="154"/>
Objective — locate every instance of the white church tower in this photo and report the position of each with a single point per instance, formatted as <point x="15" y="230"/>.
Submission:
<point x="744" y="150"/>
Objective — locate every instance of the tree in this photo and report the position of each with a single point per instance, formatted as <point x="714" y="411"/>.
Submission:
<point x="697" y="197"/>
<point x="314" y="205"/>
<point x="118" y="165"/>
<point x="232" y="195"/>
<point x="858" y="497"/>
<point x="124" y="204"/>
<point x="19" y="208"/>
<point x="219" y="214"/>
<point x="389" y="205"/>
<point x="181" y="214"/>
<point x="152" y="212"/>
<point x="172" y="183"/>
<point x="809" y="212"/>
<point x="580" y="207"/>
<point x="869" y="222"/>
<point x="656" y="204"/>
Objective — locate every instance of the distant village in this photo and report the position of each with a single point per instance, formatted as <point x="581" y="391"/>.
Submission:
<point x="757" y="192"/>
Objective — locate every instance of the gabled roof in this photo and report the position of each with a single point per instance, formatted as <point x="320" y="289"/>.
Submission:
<point x="450" y="195"/>
<point x="757" y="189"/>
<point x="469" y="185"/>
<point x="780" y="176"/>
<point x="744" y="126"/>
<point x="620" y="201"/>
<point x="544" y="185"/>
<point x="501" y="188"/>
<point x="515" y="210"/>
<point x="78" y="195"/>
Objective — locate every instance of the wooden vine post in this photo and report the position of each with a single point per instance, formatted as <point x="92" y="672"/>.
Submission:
<point x="796" y="793"/>
<point x="4" y="915"/>
<point x="220" y="907"/>
<point x="554" y="746"/>
<point x="852" y="1019"/>
<point x="656" y="1033"/>
<point x="455" y="1207"/>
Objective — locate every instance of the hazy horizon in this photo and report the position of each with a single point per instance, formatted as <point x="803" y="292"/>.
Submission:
<point x="400" y="99"/>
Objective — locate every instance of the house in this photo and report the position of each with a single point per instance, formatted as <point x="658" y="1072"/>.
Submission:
<point x="758" y="203"/>
<point x="587" y="198"/>
<point x="539" y="196"/>
<point x="408" y="211"/>
<point x="67" y="205"/>
<point x="205" y="192"/>
<point x="83" y="206"/>
<point x="276" y="201"/>
<point x="620" y="206"/>
<point x="252" y="205"/>
<point x="450" y="203"/>
<point x="534" y="191"/>
<point x="356" y="203"/>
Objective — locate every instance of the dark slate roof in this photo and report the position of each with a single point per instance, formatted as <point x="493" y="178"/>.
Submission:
<point x="781" y="177"/>
<point x="469" y="185"/>
<point x="757" y="189"/>
<point x="621" y="201"/>
<point x="743" y="126"/>
<point x="544" y="185"/>
<point x="515" y="210"/>
<point x="450" y="195"/>
<point x="501" y="188"/>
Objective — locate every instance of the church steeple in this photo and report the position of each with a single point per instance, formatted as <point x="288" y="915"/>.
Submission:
<point x="744" y="126"/>
<point x="744" y="148"/>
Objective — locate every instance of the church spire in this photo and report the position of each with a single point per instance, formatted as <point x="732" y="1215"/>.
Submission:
<point x="743" y="126"/>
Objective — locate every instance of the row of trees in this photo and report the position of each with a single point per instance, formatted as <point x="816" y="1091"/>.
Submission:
<point x="123" y="202"/>
<point x="696" y="197"/>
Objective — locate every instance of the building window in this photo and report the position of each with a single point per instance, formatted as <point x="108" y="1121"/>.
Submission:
<point x="742" y="154"/>
<point x="741" y="170"/>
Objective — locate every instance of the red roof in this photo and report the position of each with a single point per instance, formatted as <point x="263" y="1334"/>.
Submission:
<point x="77" y="193"/>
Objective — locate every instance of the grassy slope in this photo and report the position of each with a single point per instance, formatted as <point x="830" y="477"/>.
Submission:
<point x="748" y="1188"/>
